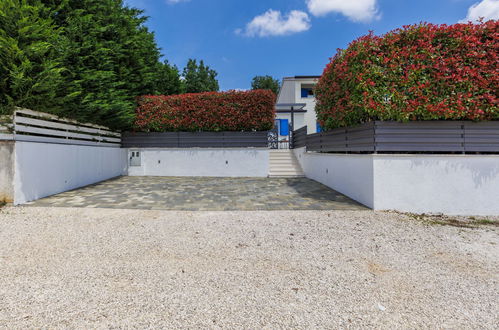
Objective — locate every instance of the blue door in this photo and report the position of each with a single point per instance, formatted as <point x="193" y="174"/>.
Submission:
<point x="283" y="127"/>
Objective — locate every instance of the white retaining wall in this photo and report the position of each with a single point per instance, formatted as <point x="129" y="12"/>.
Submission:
<point x="449" y="184"/>
<point x="351" y="175"/>
<point x="6" y="171"/>
<point x="43" y="169"/>
<point x="213" y="162"/>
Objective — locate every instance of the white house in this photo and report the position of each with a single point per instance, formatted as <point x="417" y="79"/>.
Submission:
<point x="296" y="105"/>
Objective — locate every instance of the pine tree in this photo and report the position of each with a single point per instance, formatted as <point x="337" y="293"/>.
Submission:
<point x="168" y="80"/>
<point x="266" y="82"/>
<point x="199" y="78"/>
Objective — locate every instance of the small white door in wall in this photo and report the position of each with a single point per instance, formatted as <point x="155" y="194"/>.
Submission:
<point x="134" y="157"/>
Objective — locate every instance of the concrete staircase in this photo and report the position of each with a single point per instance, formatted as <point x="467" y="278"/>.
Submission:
<point x="283" y="163"/>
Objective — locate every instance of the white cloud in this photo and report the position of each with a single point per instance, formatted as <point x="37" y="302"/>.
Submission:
<point x="486" y="9"/>
<point x="273" y="23"/>
<point x="355" y="10"/>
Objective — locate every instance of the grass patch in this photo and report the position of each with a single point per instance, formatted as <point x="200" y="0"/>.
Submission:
<point x="454" y="221"/>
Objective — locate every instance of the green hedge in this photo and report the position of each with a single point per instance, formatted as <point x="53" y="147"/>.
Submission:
<point x="418" y="72"/>
<point x="209" y="112"/>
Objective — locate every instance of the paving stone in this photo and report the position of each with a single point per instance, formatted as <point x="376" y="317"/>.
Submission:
<point x="202" y="193"/>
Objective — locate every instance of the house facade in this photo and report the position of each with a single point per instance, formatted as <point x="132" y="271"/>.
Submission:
<point x="296" y="105"/>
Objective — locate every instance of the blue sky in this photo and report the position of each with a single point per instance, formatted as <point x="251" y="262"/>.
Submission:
<point x="241" y="39"/>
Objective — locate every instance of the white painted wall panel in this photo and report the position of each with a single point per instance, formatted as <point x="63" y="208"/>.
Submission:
<point x="449" y="184"/>
<point x="351" y="175"/>
<point x="43" y="169"/>
<point x="6" y="171"/>
<point x="213" y="162"/>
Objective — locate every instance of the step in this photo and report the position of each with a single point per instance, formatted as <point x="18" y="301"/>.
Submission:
<point x="281" y="155"/>
<point x="287" y="165"/>
<point x="284" y="164"/>
<point x="286" y="175"/>
<point x="284" y="161"/>
<point x="286" y="170"/>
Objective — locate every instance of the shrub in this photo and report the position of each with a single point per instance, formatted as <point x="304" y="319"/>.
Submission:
<point x="212" y="111"/>
<point x="418" y="72"/>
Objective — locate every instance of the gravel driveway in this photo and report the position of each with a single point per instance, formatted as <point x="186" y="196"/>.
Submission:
<point x="101" y="268"/>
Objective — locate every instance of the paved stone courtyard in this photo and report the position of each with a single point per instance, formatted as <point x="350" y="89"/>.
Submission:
<point x="204" y="194"/>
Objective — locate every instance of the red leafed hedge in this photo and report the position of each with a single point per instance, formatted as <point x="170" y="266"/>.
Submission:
<point x="213" y="111"/>
<point x="419" y="72"/>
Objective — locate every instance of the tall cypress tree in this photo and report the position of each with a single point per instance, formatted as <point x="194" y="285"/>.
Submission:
<point x="84" y="59"/>
<point x="110" y="58"/>
<point x="30" y="66"/>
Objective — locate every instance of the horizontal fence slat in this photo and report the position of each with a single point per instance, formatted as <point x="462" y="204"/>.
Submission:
<point x="62" y="126"/>
<point x="43" y="139"/>
<point x="6" y="137"/>
<point x="431" y="136"/>
<point x="48" y="128"/>
<point x="44" y="115"/>
<point x="481" y="137"/>
<point x="300" y="137"/>
<point x="195" y="139"/>
<point x="69" y="135"/>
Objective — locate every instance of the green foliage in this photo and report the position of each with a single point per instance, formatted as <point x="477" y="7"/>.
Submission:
<point x="199" y="78"/>
<point x="110" y="58"/>
<point x="418" y="72"/>
<point x="266" y="82"/>
<point x="30" y="66"/>
<point x="209" y="112"/>
<point x="85" y="59"/>
<point x="168" y="80"/>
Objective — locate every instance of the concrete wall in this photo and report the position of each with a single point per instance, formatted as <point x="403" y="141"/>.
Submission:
<point x="43" y="169"/>
<point x="6" y="171"/>
<point x="351" y="175"/>
<point x="237" y="162"/>
<point x="449" y="184"/>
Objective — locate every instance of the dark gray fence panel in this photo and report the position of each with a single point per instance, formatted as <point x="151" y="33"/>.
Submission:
<point x="361" y="138"/>
<point x="334" y="140"/>
<point x="245" y="139"/>
<point x="195" y="140"/>
<point x="201" y="140"/>
<point x="150" y="140"/>
<point x="314" y="142"/>
<point x="481" y="137"/>
<point x="428" y="136"/>
<point x="300" y="137"/>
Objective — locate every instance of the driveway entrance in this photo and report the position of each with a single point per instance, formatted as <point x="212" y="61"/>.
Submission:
<point x="204" y="194"/>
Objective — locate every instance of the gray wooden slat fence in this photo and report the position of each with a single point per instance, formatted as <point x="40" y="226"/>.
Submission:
<point x="300" y="137"/>
<point x="33" y="126"/>
<point x="424" y="136"/>
<point x="195" y="140"/>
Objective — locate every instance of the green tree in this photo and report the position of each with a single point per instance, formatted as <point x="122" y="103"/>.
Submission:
<point x="168" y="80"/>
<point x="110" y="58"/>
<point x="30" y="66"/>
<point x="266" y="82"/>
<point x="199" y="78"/>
